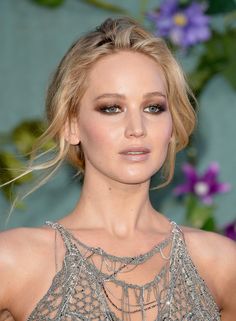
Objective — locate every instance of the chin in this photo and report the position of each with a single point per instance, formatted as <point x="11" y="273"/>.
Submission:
<point x="135" y="177"/>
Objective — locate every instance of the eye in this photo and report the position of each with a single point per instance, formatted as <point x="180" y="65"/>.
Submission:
<point x="113" y="109"/>
<point x="154" y="109"/>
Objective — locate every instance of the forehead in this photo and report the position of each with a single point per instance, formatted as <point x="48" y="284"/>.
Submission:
<point x="126" y="72"/>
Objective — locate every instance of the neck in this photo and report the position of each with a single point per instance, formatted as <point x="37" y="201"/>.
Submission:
<point x="120" y="209"/>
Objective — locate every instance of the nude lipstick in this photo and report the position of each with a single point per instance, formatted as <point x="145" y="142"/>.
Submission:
<point x="135" y="154"/>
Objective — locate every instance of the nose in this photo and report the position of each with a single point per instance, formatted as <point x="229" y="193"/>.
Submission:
<point x="135" y="126"/>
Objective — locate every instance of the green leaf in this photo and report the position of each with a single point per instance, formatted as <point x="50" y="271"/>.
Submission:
<point x="49" y="3"/>
<point x="218" y="57"/>
<point x="184" y="2"/>
<point x="230" y="19"/>
<point x="5" y="176"/>
<point x="220" y="7"/>
<point x="106" y="6"/>
<point x="190" y="202"/>
<point x="230" y="73"/>
<point x="229" y="70"/>
<point x="11" y="167"/>
<point x="25" y="135"/>
<point x="200" y="215"/>
<point x="209" y="225"/>
<point x="199" y="78"/>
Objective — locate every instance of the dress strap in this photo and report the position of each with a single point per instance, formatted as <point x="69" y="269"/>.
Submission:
<point x="64" y="235"/>
<point x="176" y="227"/>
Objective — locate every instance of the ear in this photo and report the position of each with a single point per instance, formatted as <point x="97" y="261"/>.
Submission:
<point x="71" y="131"/>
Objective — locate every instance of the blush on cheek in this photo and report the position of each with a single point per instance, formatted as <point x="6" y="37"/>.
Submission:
<point x="95" y="136"/>
<point x="164" y="140"/>
<point x="167" y="131"/>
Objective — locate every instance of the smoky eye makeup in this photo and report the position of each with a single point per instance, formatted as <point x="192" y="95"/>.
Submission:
<point x="108" y="108"/>
<point x="155" y="107"/>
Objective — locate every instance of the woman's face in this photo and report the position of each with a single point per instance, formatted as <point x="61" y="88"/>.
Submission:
<point x="124" y="124"/>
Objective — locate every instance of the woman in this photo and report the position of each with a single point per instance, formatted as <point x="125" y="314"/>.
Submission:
<point x="118" y="108"/>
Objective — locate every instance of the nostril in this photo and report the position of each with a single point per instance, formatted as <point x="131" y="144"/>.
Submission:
<point x="134" y="125"/>
<point x="135" y="132"/>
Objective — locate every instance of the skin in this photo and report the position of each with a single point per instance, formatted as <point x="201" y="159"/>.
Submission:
<point x="114" y="203"/>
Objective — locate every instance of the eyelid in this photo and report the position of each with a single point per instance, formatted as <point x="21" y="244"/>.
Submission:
<point x="161" y="107"/>
<point x="104" y="108"/>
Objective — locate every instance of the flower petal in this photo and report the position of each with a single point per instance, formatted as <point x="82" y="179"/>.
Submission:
<point x="211" y="172"/>
<point x="168" y="7"/>
<point x="230" y="230"/>
<point x="190" y="173"/>
<point x="164" y="25"/>
<point x="208" y="200"/>
<point x="222" y="188"/>
<point x="177" y="36"/>
<point x="182" y="189"/>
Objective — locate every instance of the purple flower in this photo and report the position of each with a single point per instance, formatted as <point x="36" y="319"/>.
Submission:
<point x="203" y="186"/>
<point x="184" y="27"/>
<point x="230" y="230"/>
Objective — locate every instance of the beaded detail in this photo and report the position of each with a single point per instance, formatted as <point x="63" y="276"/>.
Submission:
<point x="90" y="285"/>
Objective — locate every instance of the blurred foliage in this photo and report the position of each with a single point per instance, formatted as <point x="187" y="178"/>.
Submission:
<point x="197" y="193"/>
<point x="220" y="7"/>
<point x="102" y="4"/>
<point x="106" y="6"/>
<point x="199" y="215"/>
<point x="219" y="51"/>
<point x="218" y="57"/>
<point x="25" y="135"/>
<point x="49" y="3"/>
<point x="18" y="142"/>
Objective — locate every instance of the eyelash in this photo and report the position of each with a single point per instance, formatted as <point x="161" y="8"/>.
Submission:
<point x="107" y="109"/>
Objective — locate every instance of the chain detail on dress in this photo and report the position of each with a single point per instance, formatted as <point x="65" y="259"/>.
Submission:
<point x="80" y="290"/>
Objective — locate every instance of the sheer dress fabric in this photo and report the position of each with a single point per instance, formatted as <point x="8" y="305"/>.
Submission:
<point x="94" y="285"/>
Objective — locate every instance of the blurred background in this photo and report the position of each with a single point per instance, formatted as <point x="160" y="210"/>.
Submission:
<point x="34" y="36"/>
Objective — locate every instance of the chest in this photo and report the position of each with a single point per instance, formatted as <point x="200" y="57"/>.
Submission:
<point x="87" y="288"/>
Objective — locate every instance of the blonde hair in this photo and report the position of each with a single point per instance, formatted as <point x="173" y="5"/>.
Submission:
<point x="68" y="86"/>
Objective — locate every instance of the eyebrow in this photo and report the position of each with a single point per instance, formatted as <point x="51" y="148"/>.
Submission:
<point x="147" y="95"/>
<point x="154" y="93"/>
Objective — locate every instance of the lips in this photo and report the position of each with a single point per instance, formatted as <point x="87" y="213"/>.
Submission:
<point x="135" y="151"/>
<point x="135" y="154"/>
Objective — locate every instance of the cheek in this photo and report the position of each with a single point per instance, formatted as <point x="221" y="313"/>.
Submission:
<point x="162" y="140"/>
<point x="167" y="133"/>
<point x="96" y="136"/>
<point x="165" y="130"/>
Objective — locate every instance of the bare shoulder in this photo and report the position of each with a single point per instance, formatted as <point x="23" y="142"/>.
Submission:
<point x="20" y="251"/>
<point x="211" y="245"/>
<point x="215" y="257"/>
<point x="23" y="240"/>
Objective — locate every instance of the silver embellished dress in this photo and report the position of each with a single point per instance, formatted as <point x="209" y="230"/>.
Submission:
<point x="97" y="286"/>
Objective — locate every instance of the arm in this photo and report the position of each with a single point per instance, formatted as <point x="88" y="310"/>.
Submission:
<point x="26" y="269"/>
<point x="215" y="258"/>
<point x="227" y="278"/>
<point x="14" y="269"/>
<point x="7" y="265"/>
